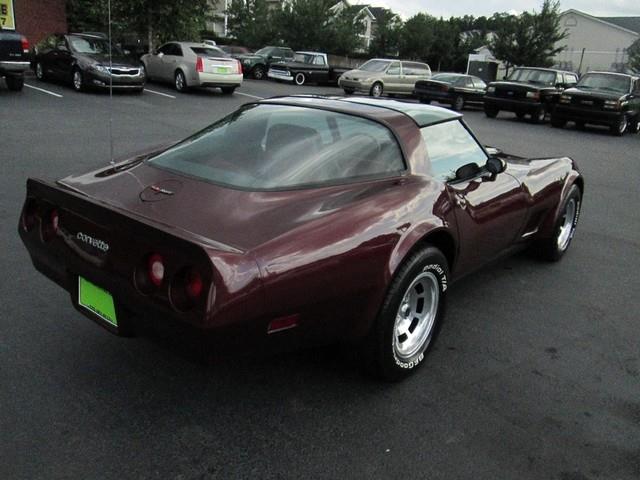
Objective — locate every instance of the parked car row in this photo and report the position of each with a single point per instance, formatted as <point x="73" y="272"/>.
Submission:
<point x="90" y="61"/>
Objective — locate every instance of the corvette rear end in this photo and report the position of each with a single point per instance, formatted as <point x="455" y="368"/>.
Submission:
<point x="127" y="272"/>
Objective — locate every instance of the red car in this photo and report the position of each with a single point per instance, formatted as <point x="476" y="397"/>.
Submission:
<point x="296" y="221"/>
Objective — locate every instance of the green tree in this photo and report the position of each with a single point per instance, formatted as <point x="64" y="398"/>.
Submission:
<point x="634" y="56"/>
<point x="417" y="37"/>
<point x="386" y="37"/>
<point x="251" y="23"/>
<point x="157" y="20"/>
<point x="530" y="38"/>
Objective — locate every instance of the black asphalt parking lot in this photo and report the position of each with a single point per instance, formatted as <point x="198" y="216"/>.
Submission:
<point x="536" y="373"/>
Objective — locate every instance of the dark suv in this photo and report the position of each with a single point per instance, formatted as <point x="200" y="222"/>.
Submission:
<point x="14" y="58"/>
<point x="528" y="91"/>
<point x="601" y="98"/>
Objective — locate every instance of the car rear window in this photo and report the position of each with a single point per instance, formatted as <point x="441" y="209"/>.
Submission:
<point x="209" y="51"/>
<point x="267" y="147"/>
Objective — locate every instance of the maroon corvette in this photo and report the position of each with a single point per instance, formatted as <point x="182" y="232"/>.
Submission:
<point x="296" y="221"/>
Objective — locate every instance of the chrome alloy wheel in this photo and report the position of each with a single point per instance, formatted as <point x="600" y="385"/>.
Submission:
<point x="39" y="71"/>
<point x="376" y="90"/>
<point x="568" y="225"/>
<point x="181" y="83"/>
<point x="416" y="316"/>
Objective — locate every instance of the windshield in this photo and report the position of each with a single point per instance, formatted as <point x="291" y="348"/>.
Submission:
<point x="374" y="66"/>
<point x="92" y="46"/>
<point x="537" y="77"/>
<point x="278" y="147"/>
<point x="602" y="81"/>
<point x="445" y="77"/>
<point x="304" y="58"/>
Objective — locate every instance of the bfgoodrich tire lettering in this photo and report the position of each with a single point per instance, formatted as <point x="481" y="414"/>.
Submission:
<point x="410" y="315"/>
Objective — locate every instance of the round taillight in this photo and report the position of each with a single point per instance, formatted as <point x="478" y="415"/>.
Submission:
<point x="155" y="269"/>
<point x="193" y="286"/>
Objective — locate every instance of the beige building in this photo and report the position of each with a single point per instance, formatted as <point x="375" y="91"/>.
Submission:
<point x="596" y="43"/>
<point x="219" y="21"/>
<point x="367" y="16"/>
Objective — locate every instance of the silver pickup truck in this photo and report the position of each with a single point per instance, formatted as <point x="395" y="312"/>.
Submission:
<point x="14" y="58"/>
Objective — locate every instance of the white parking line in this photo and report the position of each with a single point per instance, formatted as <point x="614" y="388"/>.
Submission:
<point x="248" y="95"/>
<point x="159" y="93"/>
<point x="43" y="90"/>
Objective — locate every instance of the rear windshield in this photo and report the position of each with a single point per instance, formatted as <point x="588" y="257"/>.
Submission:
<point x="209" y="51"/>
<point x="602" y="81"/>
<point x="265" y="147"/>
<point x="445" y="77"/>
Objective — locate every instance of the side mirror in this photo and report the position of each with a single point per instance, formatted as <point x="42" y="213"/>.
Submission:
<point x="495" y="165"/>
<point x="469" y="170"/>
<point x="160" y="54"/>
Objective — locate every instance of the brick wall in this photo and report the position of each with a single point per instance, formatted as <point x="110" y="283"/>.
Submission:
<point x="37" y="18"/>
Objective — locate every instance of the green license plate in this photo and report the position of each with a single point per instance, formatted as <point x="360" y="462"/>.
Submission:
<point x="222" y="70"/>
<point x="97" y="300"/>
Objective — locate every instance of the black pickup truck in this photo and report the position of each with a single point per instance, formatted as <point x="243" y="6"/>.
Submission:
<point x="306" y="67"/>
<point x="528" y="91"/>
<point x="14" y="58"/>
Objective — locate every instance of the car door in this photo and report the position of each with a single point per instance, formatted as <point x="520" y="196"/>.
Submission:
<point x="152" y="61"/>
<point x="391" y="78"/>
<point x="490" y="210"/>
<point x="45" y="55"/>
<point x="320" y="69"/>
<point x="169" y="61"/>
<point x="464" y="86"/>
<point x="59" y="58"/>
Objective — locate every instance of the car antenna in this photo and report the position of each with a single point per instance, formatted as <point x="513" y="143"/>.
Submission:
<point x="111" y="160"/>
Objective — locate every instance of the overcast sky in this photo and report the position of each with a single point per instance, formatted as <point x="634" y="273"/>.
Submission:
<point x="440" y="8"/>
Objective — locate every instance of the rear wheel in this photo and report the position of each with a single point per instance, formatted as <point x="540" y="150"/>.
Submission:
<point x="228" y="90"/>
<point x="376" y="89"/>
<point x="77" y="80"/>
<point x="634" y="125"/>
<point x="258" y="72"/>
<point x="557" y="122"/>
<point x="300" y="78"/>
<point x="180" y="82"/>
<point x="554" y="248"/>
<point x="410" y="315"/>
<point x="458" y="103"/>
<point x="15" y="83"/>
<point x="620" y="126"/>
<point x="491" y="111"/>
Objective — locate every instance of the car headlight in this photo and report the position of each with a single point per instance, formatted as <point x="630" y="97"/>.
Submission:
<point x="565" y="98"/>
<point x="534" y="95"/>
<point x="612" y="104"/>
<point x="100" y="68"/>
<point x="491" y="89"/>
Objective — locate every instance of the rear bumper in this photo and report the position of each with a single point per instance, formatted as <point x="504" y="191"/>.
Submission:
<point x="14" y="67"/>
<point x="445" y="97"/>
<point x="574" y="114"/>
<point x="218" y="80"/>
<point x="512" y="105"/>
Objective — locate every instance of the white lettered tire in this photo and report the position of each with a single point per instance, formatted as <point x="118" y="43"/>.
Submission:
<point x="409" y="319"/>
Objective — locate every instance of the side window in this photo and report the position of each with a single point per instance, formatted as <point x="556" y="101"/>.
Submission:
<point x="450" y="146"/>
<point x="478" y="83"/>
<point x="394" y="69"/>
<point x="419" y="69"/>
<point x="176" y="50"/>
<point x="165" y="49"/>
<point x="570" y="80"/>
<point x="407" y="69"/>
<point x="464" y="82"/>
<point x="61" y="44"/>
<point x="318" y="60"/>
